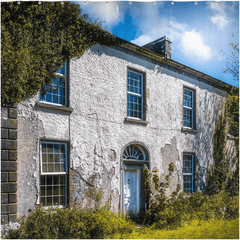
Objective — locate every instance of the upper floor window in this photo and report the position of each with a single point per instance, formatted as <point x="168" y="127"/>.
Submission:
<point x="188" y="108"/>
<point x="188" y="172"/>
<point x="54" y="174"/>
<point x="56" y="93"/>
<point x="135" y="95"/>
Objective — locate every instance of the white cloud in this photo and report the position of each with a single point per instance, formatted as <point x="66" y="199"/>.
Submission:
<point x="221" y="21"/>
<point x="222" y="13"/>
<point x="142" y="40"/>
<point x="153" y="25"/>
<point x="192" y="45"/>
<point x="108" y="12"/>
<point x="169" y="28"/>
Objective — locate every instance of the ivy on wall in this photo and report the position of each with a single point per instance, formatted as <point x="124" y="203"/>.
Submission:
<point x="220" y="176"/>
<point x="36" y="38"/>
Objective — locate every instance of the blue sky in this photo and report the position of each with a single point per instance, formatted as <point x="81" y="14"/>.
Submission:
<point x="199" y="32"/>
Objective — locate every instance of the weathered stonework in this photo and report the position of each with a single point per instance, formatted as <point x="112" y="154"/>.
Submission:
<point x="9" y="164"/>
<point x="95" y="127"/>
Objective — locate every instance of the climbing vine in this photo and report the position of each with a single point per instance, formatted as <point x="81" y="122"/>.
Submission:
<point x="36" y="38"/>
<point x="220" y="176"/>
<point x="155" y="192"/>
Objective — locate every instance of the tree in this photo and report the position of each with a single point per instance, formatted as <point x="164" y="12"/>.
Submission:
<point x="220" y="176"/>
<point x="232" y="60"/>
<point x="36" y="38"/>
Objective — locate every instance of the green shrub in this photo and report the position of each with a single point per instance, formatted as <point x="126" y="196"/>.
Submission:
<point x="71" y="224"/>
<point x="178" y="208"/>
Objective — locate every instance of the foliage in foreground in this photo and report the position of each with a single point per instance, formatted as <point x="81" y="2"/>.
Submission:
<point x="210" y="229"/>
<point x="178" y="208"/>
<point x="71" y="224"/>
<point x="37" y="38"/>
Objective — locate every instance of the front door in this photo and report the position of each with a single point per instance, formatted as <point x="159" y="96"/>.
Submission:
<point x="131" y="190"/>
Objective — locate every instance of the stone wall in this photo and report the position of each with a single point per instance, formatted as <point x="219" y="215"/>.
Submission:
<point x="9" y="164"/>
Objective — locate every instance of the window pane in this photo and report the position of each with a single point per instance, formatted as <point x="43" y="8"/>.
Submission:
<point x="188" y="173"/>
<point x="50" y="148"/>
<point x="62" y="198"/>
<point x="56" y="190"/>
<point x="57" y="167"/>
<point x="55" y="91"/>
<point x="42" y="180"/>
<point x="43" y="201"/>
<point x="62" y="179"/>
<point x="134" y="82"/>
<point x="49" y="190"/>
<point x="62" y="168"/>
<point x="55" y="99"/>
<point x="42" y="97"/>
<point x="62" y="100"/>
<point x="56" y="180"/>
<point x="49" y="201"/>
<point x="187" y="108"/>
<point x="50" y="168"/>
<point x="134" y="106"/>
<point x="42" y="191"/>
<point x="44" y="167"/>
<point x="56" y="201"/>
<point x="62" y="190"/>
<point x="56" y="95"/>
<point x="187" y="117"/>
<point x="53" y="186"/>
<point x="49" y="180"/>
<point x="53" y="160"/>
<point x="44" y="157"/>
<point x="44" y="149"/>
<point x="187" y="184"/>
<point x="49" y="98"/>
<point x="187" y="164"/>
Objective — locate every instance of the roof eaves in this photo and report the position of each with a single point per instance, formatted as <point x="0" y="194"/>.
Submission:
<point x="169" y="62"/>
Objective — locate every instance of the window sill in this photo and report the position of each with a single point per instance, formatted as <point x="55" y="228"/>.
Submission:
<point x="189" y="130"/>
<point x="52" y="106"/>
<point x="132" y="120"/>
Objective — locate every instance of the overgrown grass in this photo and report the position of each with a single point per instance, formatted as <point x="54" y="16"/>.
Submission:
<point x="196" y="229"/>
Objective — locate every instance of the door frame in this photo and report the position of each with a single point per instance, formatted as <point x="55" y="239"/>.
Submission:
<point x="125" y="164"/>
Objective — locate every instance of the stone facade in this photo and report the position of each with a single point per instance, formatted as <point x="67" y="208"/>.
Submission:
<point x="9" y="164"/>
<point x="96" y="127"/>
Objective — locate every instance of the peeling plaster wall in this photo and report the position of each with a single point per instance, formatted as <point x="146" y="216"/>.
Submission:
<point x="97" y="131"/>
<point x="35" y="124"/>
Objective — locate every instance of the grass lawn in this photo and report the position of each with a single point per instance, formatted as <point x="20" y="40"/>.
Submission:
<point x="211" y="229"/>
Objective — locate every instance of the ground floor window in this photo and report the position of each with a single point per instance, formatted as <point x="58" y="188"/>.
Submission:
<point x="54" y="174"/>
<point x="188" y="172"/>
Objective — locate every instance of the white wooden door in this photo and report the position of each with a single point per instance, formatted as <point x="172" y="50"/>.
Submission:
<point x="131" y="191"/>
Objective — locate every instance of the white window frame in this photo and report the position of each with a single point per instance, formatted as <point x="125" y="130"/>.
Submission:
<point x="56" y="173"/>
<point x="136" y="94"/>
<point x="190" y="108"/>
<point x="189" y="174"/>
<point x="60" y="75"/>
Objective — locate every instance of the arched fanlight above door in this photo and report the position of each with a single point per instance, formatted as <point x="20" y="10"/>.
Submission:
<point x="134" y="152"/>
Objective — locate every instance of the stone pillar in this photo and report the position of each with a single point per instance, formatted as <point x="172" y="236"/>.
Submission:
<point x="9" y="164"/>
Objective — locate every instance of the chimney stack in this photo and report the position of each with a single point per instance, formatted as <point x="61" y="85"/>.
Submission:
<point x="161" y="46"/>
